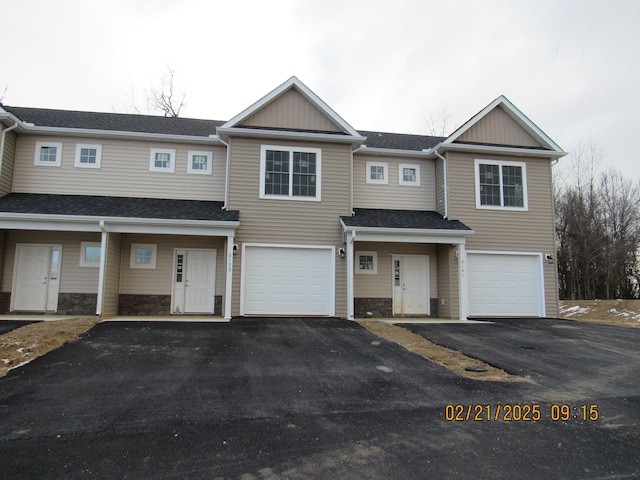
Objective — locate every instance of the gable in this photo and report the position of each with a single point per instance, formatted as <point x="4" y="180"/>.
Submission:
<point x="498" y="128"/>
<point x="291" y="110"/>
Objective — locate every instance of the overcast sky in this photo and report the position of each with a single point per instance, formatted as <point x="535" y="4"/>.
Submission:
<point x="572" y="66"/>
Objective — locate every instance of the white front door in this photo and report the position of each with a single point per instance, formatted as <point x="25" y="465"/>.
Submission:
<point x="36" y="278"/>
<point x="413" y="282"/>
<point x="200" y="284"/>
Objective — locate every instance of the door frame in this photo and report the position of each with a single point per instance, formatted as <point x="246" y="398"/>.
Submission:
<point x="397" y="290"/>
<point x="178" y="293"/>
<point x="53" y="284"/>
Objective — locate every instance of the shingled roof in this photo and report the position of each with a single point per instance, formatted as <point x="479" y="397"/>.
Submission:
<point x="381" y="218"/>
<point x="122" y="207"/>
<point x="124" y="122"/>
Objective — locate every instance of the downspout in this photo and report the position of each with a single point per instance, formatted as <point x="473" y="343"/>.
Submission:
<point x="4" y="133"/>
<point x="446" y="182"/>
<point x="351" y="179"/>
<point x="226" y="180"/>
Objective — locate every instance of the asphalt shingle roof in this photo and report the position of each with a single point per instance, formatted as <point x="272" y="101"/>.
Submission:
<point x="381" y="218"/>
<point x="123" y="122"/>
<point x="125" y="207"/>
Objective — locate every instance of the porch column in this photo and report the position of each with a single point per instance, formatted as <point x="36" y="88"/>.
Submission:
<point x="350" y="310"/>
<point x="228" y="283"/>
<point x="103" y="269"/>
<point x="462" y="280"/>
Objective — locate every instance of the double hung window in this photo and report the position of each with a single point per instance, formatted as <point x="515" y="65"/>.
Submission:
<point x="290" y="173"/>
<point x="501" y="185"/>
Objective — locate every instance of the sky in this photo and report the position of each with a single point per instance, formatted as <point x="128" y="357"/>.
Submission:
<point x="571" y="66"/>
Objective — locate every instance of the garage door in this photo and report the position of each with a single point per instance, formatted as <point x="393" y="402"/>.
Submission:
<point x="285" y="280"/>
<point x="505" y="285"/>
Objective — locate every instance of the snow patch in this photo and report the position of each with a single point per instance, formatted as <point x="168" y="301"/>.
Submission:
<point x="575" y="310"/>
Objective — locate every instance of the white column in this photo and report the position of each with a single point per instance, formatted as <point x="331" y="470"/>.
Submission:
<point x="103" y="270"/>
<point x="350" y="309"/>
<point x="462" y="278"/>
<point x="228" y="279"/>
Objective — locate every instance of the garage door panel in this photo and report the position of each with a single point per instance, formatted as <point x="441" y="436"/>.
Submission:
<point x="504" y="285"/>
<point x="288" y="281"/>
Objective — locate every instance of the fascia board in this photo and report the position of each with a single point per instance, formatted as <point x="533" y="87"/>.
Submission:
<point x="9" y="118"/>
<point x="302" y="88"/>
<point x="519" y="152"/>
<point x="393" y="152"/>
<point x="85" y="132"/>
<point x="225" y="132"/>
<point x="515" y="114"/>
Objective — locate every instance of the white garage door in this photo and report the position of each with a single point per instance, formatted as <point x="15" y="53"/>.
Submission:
<point x="505" y="285"/>
<point x="284" y="280"/>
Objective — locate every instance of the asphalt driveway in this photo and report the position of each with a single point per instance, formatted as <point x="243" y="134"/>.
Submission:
<point x="7" y="325"/>
<point x="309" y="398"/>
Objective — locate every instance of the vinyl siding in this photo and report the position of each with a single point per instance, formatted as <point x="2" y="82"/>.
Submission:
<point x="498" y="128"/>
<point x="291" y="110"/>
<point x="159" y="281"/>
<point x="124" y="171"/>
<point x="393" y="195"/>
<point x="289" y="221"/>
<point x="445" y="285"/>
<point x="73" y="277"/>
<point x="6" y="176"/>
<point x="112" y="275"/>
<point x="380" y="285"/>
<point x="503" y="230"/>
<point x="440" y="187"/>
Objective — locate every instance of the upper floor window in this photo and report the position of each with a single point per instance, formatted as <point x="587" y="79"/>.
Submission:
<point x="377" y="172"/>
<point x="199" y="162"/>
<point x="88" y="156"/>
<point x="501" y="185"/>
<point x="290" y="172"/>
<point x="162" y="160"/>
<point x="48" y="153"/>
<point x="409" y="174"/>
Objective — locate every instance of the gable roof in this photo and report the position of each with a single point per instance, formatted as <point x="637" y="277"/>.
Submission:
<point x="316" y="101"/>
<point x="406" y="219"/>
<point x="516" y="115"/>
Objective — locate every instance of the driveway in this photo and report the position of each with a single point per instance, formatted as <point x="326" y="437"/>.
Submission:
<point x="7" y="325"/>
<point x="309" y="398"/>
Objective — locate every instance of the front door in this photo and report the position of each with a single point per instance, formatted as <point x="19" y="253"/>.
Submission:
<point x="195" y="278"/>
<point x="412" y="274"/>
<point x="36" y="278"/>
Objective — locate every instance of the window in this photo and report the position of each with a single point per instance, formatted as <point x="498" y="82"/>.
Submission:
<point x="143" y="256"/>
<point x="290" y="173"/>
<point x="162" y="160"/>
<point x="88" y="156"/>
<point x="377" y="172"/>
<point x="501" y="185"/>
<point x="367" y="262"/>
<point x="90" y="254"/>
<point x="199" y="162"/>
<point x="409" y="174"/>
<point x="48" y="154"/>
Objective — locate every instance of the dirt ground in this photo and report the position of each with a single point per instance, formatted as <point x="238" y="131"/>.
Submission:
<point x="23" y="344"/>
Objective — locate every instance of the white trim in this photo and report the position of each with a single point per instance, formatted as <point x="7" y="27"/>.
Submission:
<point x="228" y="279"/>
<point x="498" y="150"/>
<point x="395" y="152"/>
<point x="350" y="275"/>
<point x="500" y="163"/>
<point x="172" y="160"/>
<point x="97" y="147"/>
<point x="104" y="241"/>
<point x="332" y="273"/>
<point x="206" y="171"/>
<point x="384" y="165"/>
<point x="542" y="306"/>
<point x="293" y="82"/>
<point x="281" y="135"/>
<point x="401" y="179"/>
<point x="83" y="252"/>
<point x="291" y="150"/>
<point x="39" y="163"/>
<point x="374" y="270"/>
<point x="154" y="256"/>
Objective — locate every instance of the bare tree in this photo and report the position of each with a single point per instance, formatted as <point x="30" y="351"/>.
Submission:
<point x="164" y="98"/>
<point x="437" y="125"/>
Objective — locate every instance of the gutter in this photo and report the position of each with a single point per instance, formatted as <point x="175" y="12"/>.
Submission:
<point x="226" y="173"/>
<point x="4" y="133"/>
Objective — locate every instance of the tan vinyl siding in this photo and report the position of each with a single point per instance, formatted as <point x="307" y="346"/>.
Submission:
<point x="393" y="195"/>
<point x="291" y="110"/>
<point x="380" y="285"/>
<point x="289" y="221"/>
<point x="445" y="285"/>
<point x="503" y="230"/>
<point x="498" y="128"/>
<point x="112" y="275"/>
<point x="159" y="281"/>
<point x="73" y="277"/>
<point x="440" y="187"/>
<point x="124" y="171"/>
<point x="6" y="176"/>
